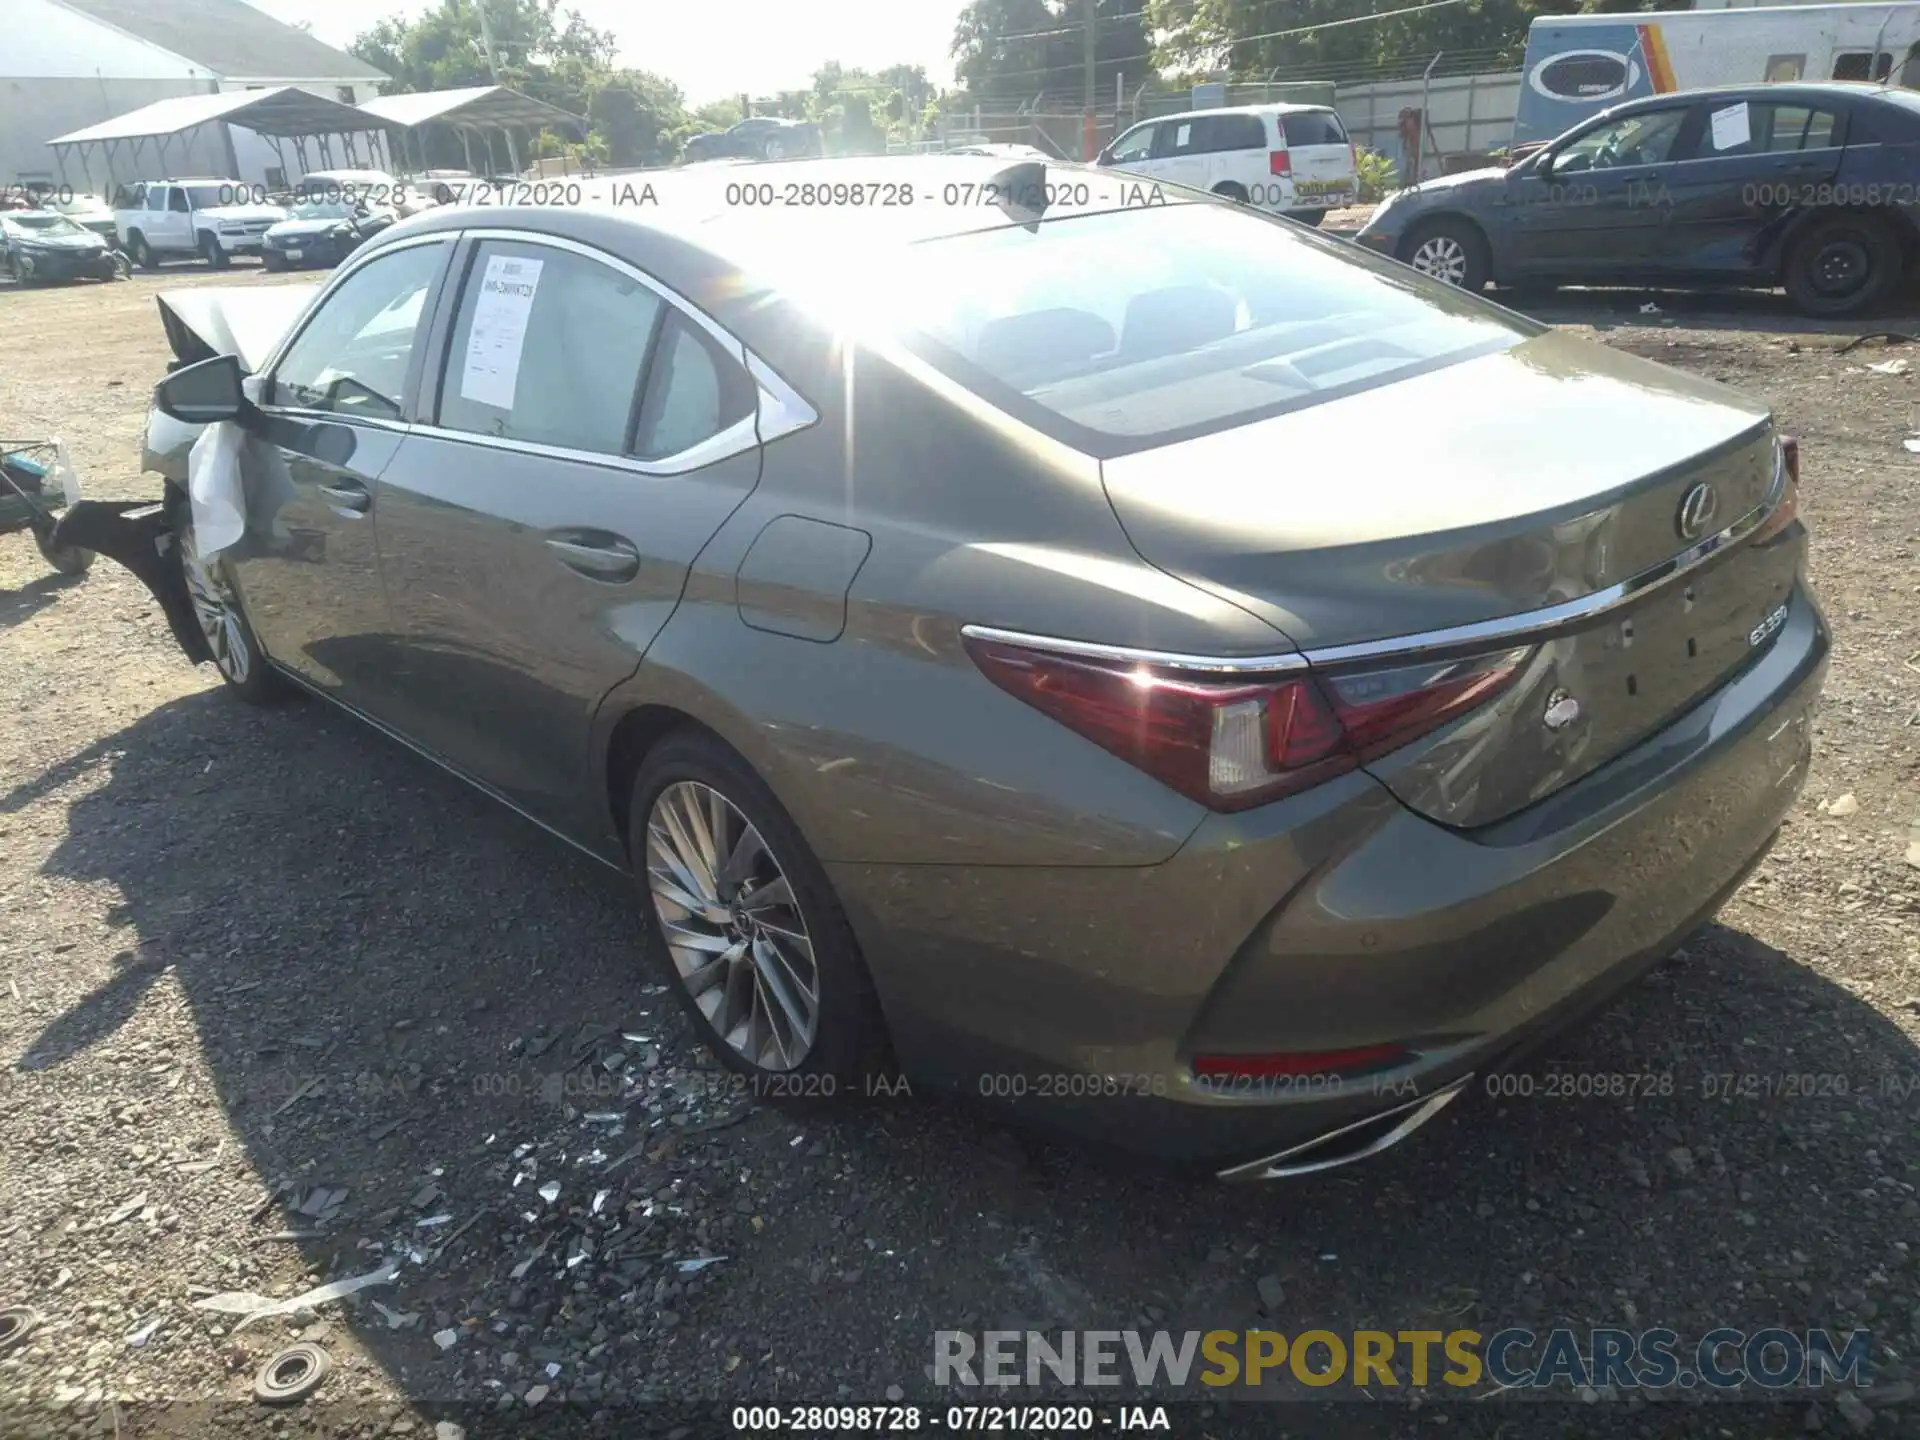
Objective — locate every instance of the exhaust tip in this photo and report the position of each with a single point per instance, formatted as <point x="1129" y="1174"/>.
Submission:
<point x="1356" y="1140"/>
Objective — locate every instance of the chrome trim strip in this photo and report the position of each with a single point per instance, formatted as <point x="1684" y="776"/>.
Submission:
<point x="736" y="439"/>
<point x="1416" y="1113"/>
<point x="1536" y="624"/>
<point x="1504" y="631"/>
<point x="1217" y="664"/>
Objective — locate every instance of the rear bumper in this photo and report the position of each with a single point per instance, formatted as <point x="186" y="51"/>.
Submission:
<point x="1333" y="920"/>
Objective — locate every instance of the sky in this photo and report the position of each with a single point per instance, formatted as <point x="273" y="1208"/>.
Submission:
<point x="713" y="49"/>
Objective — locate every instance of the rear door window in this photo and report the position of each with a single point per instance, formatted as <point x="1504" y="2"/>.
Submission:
<point x="1118" y="330"/>
<point x="1312" y="127"/>
<point x="1175" y="137"/>
<point x="694" y="391"/>
<point x="548" y="348"/>
<point x="1238" y="132"/>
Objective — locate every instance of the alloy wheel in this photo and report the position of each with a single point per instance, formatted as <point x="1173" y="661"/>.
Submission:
<point x="217" y="609"/>
<point x="1442" y="257"/>
<point x="733" y="925"/>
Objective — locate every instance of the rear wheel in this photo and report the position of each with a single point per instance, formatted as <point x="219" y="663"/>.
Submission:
<point x="216" y="605"/>
<point x="210" y="248"/>
<point x="755" y="942"/>
<point x="1843" y="264"/>
<point x="1449" y="250"/>
<point x="1229" y="190"/>
<point x="773" y="148"/>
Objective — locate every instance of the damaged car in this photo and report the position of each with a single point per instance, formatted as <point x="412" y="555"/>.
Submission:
<point x="942" y="614"/>
<point x="41" y="245"/>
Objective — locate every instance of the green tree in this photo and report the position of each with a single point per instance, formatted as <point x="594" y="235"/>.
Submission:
<point x="1018" y="49"/>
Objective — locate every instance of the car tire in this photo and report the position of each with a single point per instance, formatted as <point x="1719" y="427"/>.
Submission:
<point x="1451" y="251"/>
<point x="1843" y="264"/>
<point x="237" y="655"/>
<point x="743" y="980"/>
<point x="1229" y="190"/>
<point x="142" y="253"/>
<point x="67" y="559"/>
<point x="270" y="260"/>
<point x="1310" y="218"/>
<point x="216" y="258"/>
<point x="772" y="148"/>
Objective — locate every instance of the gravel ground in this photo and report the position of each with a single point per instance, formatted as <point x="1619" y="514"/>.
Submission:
<point x="280" y="1003"/>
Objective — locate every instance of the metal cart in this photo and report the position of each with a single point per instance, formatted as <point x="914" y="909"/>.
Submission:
<point x="36" y="483"/>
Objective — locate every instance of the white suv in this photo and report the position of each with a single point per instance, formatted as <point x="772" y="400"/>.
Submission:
<point x="214" y="219"/>
<point x="1295" y="160"/>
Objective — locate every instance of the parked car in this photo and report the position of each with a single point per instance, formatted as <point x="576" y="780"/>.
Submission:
<point x="45" y="245"/>
<point x="322" y="232"/>
<point x="89" y="212"/>
<point x="1808" y="186"/>
<point x="214" y="219"/>
<point x="758" y="137"/>
<point x="1294" y="160"/>
<point x="941" y="612"/>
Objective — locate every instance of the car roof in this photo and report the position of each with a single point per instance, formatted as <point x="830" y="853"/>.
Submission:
<point x="1277" y="107"/>
<point x="1778" y="90"/>
<point x="704" y="206"/>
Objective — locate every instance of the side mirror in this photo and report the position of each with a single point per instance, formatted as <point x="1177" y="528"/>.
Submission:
<point x="204" y="392"/>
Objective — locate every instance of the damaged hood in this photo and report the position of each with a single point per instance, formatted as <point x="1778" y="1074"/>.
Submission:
<point x="247" y="322"/>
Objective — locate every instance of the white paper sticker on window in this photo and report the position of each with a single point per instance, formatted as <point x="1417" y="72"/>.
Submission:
<point x="492" y="368"/>
<point x="1731" y="129"/>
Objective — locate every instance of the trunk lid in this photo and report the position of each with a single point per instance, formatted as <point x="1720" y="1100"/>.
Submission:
<point x="1539" y="477"/>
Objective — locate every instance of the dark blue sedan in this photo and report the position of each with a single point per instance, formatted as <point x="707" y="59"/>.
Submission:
<point x="1815" y="187"/>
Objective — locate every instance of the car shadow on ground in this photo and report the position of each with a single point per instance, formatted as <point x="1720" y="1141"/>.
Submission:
<point x="369" y="953"/>
<point x="22" y="604"/>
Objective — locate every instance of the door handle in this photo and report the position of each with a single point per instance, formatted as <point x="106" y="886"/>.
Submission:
<point x="348" y="497"/>
<point x="598" y="557"/>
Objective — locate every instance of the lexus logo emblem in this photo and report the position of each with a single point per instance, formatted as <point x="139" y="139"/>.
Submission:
<point x="1698" y="507"/>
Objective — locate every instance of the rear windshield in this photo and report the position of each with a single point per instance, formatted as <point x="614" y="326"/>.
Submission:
<point x="1312" y="127"/>
<point x="1127" y="328"/>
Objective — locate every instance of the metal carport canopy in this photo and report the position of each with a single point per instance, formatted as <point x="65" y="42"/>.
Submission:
<point x="285" y="111"/>
<point x="476" y="109"/>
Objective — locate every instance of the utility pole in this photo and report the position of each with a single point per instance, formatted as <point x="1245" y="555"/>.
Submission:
<point x="1090" y="135"/>
<point x="486" y="40"/>
<point x="493" y="68"/>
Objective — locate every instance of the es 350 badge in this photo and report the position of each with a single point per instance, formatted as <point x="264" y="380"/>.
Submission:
<point x="1763" y="632"/>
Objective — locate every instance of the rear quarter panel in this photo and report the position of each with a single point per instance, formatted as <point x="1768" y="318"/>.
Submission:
<point x="886" y="744"/>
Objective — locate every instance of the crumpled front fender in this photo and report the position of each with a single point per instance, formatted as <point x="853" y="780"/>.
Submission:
<point x="139" y="534"/>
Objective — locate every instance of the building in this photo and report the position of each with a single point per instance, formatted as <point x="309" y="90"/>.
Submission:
<point x="66" y="64"/>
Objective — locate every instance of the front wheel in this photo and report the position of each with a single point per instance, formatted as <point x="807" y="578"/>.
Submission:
<point x="67" y="559"/>
<point x="1843" y="265"/>
<point x="216" y="605"/>
<point x="756" y="944"/>
<point x="1451" y="251"/>
<point x="216" y="258"/>
<point x="1308" y="217"/>
<point x="143" y="253"/>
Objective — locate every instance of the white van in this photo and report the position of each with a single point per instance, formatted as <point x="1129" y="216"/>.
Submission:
<point x="1579" y="65"/>
<point x="1295" y="160"/>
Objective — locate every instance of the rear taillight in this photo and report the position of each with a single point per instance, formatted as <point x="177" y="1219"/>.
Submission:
<point x="1232" y="741"/>
<point x="1279" y="162"/>
<point x="1786" y="509"/>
